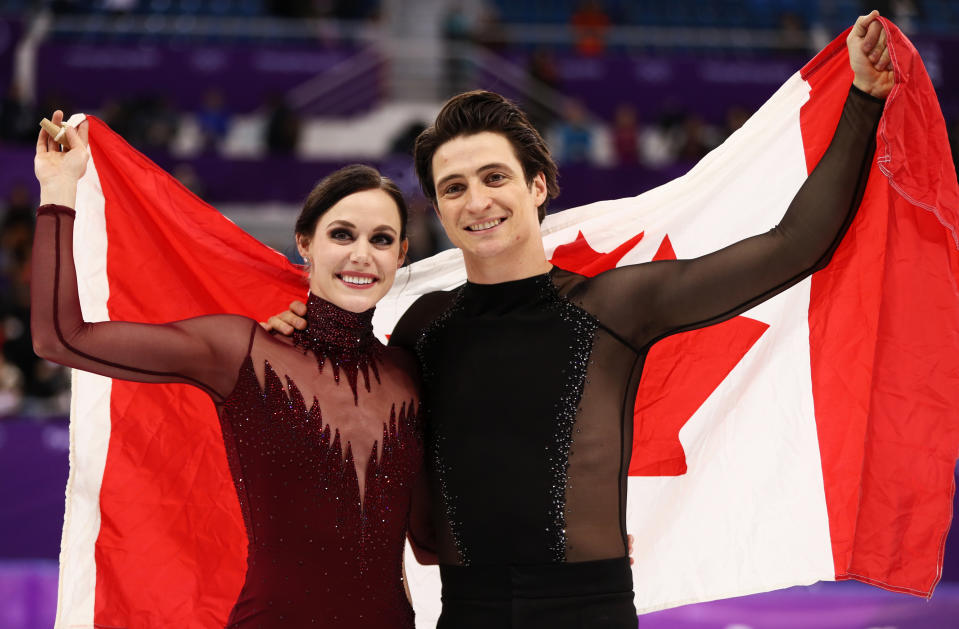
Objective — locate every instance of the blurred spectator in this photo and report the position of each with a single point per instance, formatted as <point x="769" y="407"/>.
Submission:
<point x="119" y="7"/>
<point x="16" y="234"/>
<point x="659" y="144"/>
<point x="147" y="121"/>
<point x="626" y="135"/>
<point x="352" y="9"/>
<point x="590" y="23"/>
<point x="186" y="175"/>
<point x="282" y="128"/>
<point x="488" y="31"/>
<point x="903" y="13"/>
<point x="792" y="34"/>
<point x="456" y="39"/>
<point x="574" y="135"/>
<point x="696" y="140"/>
<point x="736" y="116"/>
<point x="11" y="386"/>
<point x="62" y="7"/>
<point x="40" y="380"/>
<point x="291" y="8"/>
<point x="159" y="119"/>
<point x="543" y="83"/>
<point x="117" y="116"/>
<point x="423" y="230"/>
<point x="19" y="199"/>
<point x="18" y="120"/>
<point x="212" y="119"/>
<point x="403" y="143"/>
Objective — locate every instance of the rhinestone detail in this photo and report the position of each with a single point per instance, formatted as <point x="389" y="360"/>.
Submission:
<point x="344" y="339"/>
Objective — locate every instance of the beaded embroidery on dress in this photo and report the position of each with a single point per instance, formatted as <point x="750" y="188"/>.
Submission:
<point x="326" y="513"/>
<point x="343" y="338"/>
<point x="325" y="510"/>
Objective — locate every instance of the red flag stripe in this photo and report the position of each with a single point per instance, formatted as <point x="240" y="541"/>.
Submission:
<point x="884" y="334"/>
<point x="178" y="556"/>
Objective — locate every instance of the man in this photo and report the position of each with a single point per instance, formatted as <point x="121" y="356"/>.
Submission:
<point x="530" y="371"/>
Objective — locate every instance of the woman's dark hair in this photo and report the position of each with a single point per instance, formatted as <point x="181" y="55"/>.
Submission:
<point x="337" y="186"/>
<point x="478" y="111"/>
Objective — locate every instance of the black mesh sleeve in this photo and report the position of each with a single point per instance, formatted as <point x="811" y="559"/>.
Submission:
<point x="659" y="298"/>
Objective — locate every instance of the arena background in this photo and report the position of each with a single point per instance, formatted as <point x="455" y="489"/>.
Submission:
<point x="250" y="102"/>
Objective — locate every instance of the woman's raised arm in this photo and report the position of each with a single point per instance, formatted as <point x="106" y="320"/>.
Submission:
<point x="203" y="351"/>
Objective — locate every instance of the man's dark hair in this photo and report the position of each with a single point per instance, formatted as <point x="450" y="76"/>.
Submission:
<point x="478" y="111"/>
<point x="341" y="184"/>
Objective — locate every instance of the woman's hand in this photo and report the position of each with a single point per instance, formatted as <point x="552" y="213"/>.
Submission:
<point x="869" y="56"/>
<point x="58" y="171"/>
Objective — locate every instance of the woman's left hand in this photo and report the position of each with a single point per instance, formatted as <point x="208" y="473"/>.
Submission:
<point x="869" y="56"/>
<point x="59" y="171"/>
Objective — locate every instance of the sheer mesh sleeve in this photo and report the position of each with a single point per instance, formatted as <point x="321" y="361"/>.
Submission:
<point x="664" y="297"/>
<point x="204" y="351"/>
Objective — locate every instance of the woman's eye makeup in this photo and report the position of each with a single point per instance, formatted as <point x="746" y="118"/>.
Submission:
<point x="341" y="234"/>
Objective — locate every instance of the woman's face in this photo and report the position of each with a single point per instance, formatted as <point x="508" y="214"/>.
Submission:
<point x="355" y="250"/>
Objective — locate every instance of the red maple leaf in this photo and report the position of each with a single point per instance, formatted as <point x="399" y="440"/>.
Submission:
<point x="578" y="256"/>
<point x="680" y="373"/>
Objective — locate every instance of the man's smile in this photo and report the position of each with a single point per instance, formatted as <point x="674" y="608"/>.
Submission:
<point x="485" y="225"/>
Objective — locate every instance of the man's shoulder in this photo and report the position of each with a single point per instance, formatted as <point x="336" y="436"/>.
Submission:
<point x="431" y="305"/>
<point x="420" y="315"/>
<point x="568" y="282"/>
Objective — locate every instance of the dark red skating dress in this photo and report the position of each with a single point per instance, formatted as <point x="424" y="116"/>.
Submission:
<point x="325" y="487"/>
<point x="321" y="432"/>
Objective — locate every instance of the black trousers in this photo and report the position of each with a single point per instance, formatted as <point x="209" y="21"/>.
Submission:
<point x="582" y="595"/>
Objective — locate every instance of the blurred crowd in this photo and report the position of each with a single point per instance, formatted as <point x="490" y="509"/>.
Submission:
<point x="153" y="124"/>
<point x="333" y="9"/>
<point x="675" y="136"/>
<point x="28" y="385"/>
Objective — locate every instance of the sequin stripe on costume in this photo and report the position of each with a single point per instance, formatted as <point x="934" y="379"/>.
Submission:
<point x="557" y="454"/>
<point x="233" y="442"/>
<point x="291" y="434"/>
<point x="344" y="339"/>
<point x="440" y="469"/>
<point x="388" y="475"/>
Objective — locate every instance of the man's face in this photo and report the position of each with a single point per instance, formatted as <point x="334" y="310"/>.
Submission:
<point x="484" y="203"/>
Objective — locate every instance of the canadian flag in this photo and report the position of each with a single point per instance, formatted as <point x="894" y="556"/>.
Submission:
<point x="811" y="438"/>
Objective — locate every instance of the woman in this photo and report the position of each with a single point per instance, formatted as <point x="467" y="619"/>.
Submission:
<point x="321" y="430"/>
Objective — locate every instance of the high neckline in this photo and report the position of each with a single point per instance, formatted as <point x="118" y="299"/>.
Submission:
<point x="506" y="295"/>
<point x="329" y="326"/>
<point x="521" y="280"/>
<point x="341" y="337"/>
